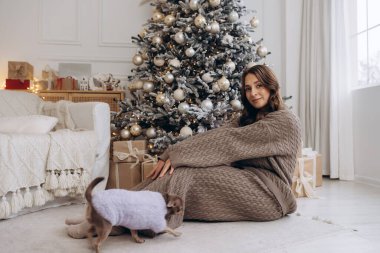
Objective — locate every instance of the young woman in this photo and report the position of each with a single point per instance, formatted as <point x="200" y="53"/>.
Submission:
<point x="242" y="171"/>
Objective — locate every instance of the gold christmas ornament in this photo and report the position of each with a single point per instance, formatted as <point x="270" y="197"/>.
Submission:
<point x="125" y="134"/>
<point x="135" y="130"/>
<point x="161" y="98"/>
<point x="215" y="87"/>
<point x="159" y="62"/>
<point x="200" y="21"/>
<point x="235" y="104"/>
<point x="143" y="33"/>
<point x="137" y="59"/>
<point x="169" y="20"/>
<point x="179" y="94"/>
<point x="148" y="86"/>
<point x="194" y="5"/>
<point x="139" y="85"/>
<point x="254" y="22"/>
<point x="157" y="16"/>
<point x="224" y="83"/>
<point x="157" y="40"/>
<point x="214" y="3"/>
<point x="151" y="132"/>
<point x="169" y="78"/>
<point x="185" y="132"/>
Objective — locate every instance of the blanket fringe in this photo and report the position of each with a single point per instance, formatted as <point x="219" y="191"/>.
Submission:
<point x="39" y="197"/>
<point x="5" y="209"/>
<point x="28" y="198"/>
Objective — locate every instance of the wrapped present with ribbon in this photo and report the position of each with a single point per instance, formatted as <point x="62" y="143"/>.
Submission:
<point x="66" y="83"/>
<point x="302" y="185"/>
<point x="313" y="165"/>
<point x="124" y="175"/>
<point x="148" y="165"/>
<point x="20" y="70"/>
<point x="129" y="151"/>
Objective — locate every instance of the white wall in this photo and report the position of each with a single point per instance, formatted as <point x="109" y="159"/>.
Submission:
<point x="366" y="125"/>
<point x="86" y="31"/>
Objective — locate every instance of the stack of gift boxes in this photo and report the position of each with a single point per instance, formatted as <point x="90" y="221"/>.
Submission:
<point x="307" y="174"/>
<point x="130" y="164"/>
<point x="20" y="74"/>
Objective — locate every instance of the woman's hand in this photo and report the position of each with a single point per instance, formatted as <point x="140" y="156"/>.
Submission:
<point x="161" y="168"/>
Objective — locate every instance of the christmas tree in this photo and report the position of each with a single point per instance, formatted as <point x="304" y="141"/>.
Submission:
<point x="188" y="70"/>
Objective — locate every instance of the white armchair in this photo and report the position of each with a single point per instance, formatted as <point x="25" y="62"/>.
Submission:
<point x="50" y="169"/>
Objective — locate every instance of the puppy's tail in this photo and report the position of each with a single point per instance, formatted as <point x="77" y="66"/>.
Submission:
<point x="92" y="186"/>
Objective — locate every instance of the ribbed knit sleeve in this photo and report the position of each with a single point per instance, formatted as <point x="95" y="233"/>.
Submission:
<point x="276" y="134"/>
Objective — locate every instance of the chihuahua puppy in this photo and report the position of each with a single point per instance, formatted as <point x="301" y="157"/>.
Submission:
<point x="135" y="210"/>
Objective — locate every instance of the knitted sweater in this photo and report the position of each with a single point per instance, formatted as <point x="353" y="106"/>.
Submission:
<point x="234" y="173"/>
<point x="131" y="209"/>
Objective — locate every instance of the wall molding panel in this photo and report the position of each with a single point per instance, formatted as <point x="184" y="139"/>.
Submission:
<point x="59" y="27"/>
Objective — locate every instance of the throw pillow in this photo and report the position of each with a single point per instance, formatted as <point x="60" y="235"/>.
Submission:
<point x="29" y="124"/>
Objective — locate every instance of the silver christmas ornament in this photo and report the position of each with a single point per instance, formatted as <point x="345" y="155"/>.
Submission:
<point x="157" y="16"/>
<point x="157" y="40"/>
<point x="215" y="87"/>
<point x="161" y="99"/>
<point x="179" y="38"/>
<point x="151" y="132"/>
<point x="200" y="21"/>
<point x="135" y="130"/>
<point x="206" y="77"/>
<point x="262" y="51"/>
<point x="207" y="105"/>
<point x="190" y="52"/>
<point x="193" y="4"/>
<point x="188" y="29"/>
<point x="235" y="104"/>
<point x="125" y="134"/>
<point x="137" y="59"/>
<point x="214" y="3"/>
<point x="227" y="39"/>
<point x="230" y="65"/>
<point x="169" y="20"/>
<point x="233" y="17"/>
<point x="185" y="132"/>
<point x="148" y="86"/>
<point x="208" y="28"/>
<point x="179" y="94"/>
<point x="224" y="83"/>
<point x="169" y="78"/>
<point x="215" y="27"/>
<point x="159" y="62"/>
<point x="183" y="107"/>
<point x="254" y="22"/>
<point x="175" y="63"/>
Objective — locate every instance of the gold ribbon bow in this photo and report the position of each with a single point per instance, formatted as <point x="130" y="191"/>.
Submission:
<point x="304" y="181"/>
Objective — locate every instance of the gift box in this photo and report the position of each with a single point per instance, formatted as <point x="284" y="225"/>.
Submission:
<point x="123" y="175"/>
<point x="20" y="70"/>
<point x="148" y="165"/>
<point x="302" y="183"/>
<point x="129" y="151"/>
<point x="16" y="84"/>
<point x="66" y="83"/>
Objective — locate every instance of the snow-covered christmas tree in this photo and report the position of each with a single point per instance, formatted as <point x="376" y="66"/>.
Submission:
<point x="188" y="70"/>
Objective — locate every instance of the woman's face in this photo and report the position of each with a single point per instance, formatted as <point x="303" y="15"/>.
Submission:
<point x="256" y="93"/>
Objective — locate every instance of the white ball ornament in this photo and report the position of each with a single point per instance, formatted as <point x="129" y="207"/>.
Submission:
<point x="125" y="134"/>
<point x="207" y="105"/>
<point x="215" y="27"/>
<point x="183" y="107"/>
<point x="190" y="52"/>
<point x="151" y="132"/>
<point x="233" y="17"/>
<point x="235" y="104"/>
<point x="200" y="21"/>
<point x="262" y="51"/>
<point x="207" y="78"/>
<point x="185" y="132"/>
<point x="157" y="40"/>
<point x="188" y="29"/>
<point x="254" y="22"/>
<point x="179" y="37"/>
<point x="161" y="99"/>
<point x="208" y="28"/>
<point x="214" y="3"/>
<point x="194" y="4"/>
<point x="137" y="59"/>
<point x="169" y="78"/>
<point x="169" y="20"/>
<point x="224" y="83"/>
<point x="135" y="130"/>
<point x="159" y="62"/>
<point x="215" y="87"/>
<point x="148" y="86"/>
<point x="230" y="65"/>
<point x="179" y="94"/>
<point x="175" y="63"/>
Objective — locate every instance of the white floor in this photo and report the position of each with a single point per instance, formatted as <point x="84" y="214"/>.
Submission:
<point x="353" y="205"/>
<point x="344" y="219"/>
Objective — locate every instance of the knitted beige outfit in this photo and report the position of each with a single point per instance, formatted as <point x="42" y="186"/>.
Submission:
<point x="235" y="173"/>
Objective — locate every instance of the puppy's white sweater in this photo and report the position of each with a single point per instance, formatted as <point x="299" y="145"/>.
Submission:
<point x="132" y="209"/>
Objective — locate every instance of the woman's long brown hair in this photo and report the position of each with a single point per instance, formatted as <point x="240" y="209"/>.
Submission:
<point x="266" y="76"/>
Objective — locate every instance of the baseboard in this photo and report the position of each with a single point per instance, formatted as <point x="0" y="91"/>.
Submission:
<point x="368" y="180"/>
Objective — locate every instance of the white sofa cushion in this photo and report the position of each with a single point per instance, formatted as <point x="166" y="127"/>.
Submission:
<point x="30" y="124"/>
